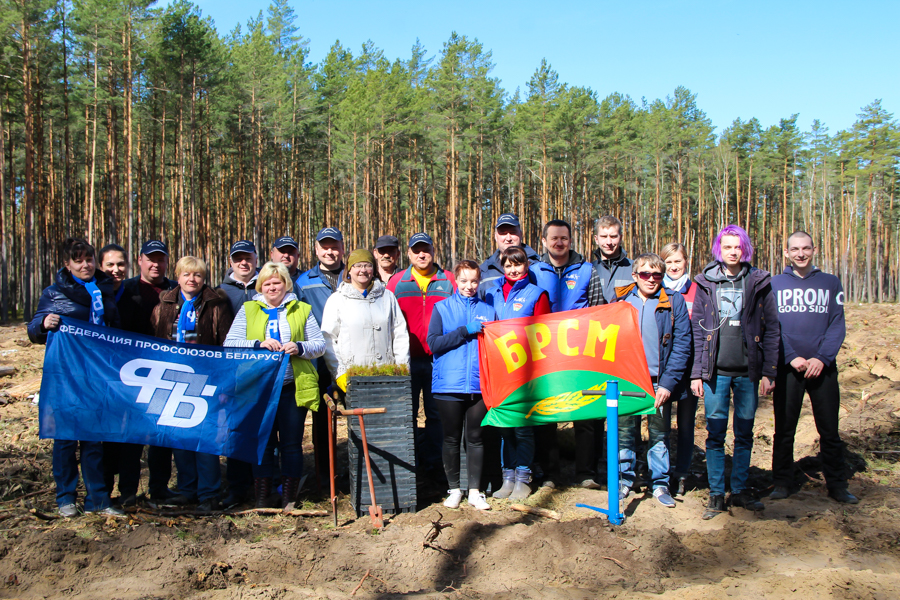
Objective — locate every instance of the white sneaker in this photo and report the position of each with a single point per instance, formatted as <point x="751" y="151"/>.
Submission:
<point x="478" y="501"/>
<point x="454" y="498"/>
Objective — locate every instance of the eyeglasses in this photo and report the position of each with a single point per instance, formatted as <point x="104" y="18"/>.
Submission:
<point x="363" y="266"/>
<point x="646" y="276"/>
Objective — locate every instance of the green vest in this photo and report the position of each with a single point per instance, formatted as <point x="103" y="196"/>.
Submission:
<point x="305" y="376"/>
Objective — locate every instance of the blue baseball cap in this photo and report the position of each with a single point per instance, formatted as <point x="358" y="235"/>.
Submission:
<point x="330" y="233"/>
<point x="285" y="240"/>
<point x="242" y="246"/>
<point x="152" y="246"/>
<point x="421" y="238"/>
<point x="508" y="219"/>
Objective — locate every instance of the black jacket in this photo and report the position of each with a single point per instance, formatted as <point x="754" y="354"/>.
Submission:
<point x="69" y="299"/>
<point x="134" y="310"/>
<point x="759" y="324"/>
<point x="237" y="292"/>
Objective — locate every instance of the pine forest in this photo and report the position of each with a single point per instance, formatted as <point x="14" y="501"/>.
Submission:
<point x="122" y="122"/>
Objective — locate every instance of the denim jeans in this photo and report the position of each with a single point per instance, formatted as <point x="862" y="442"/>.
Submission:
<point x="518" y="447"/>
<point x="430" y="441"/>
<point x="742" y="392"/>
<point x="199" y="474"/>
<point x="657" y="446"/>
<point x="65" y="473"/>
<point x="287" y="434"/>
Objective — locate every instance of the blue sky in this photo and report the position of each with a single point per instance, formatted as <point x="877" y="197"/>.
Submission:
<point x="822" y="59"/>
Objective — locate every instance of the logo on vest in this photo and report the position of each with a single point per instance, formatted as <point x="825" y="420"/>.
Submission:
<point x="570" y="283"/>
<point x="517" y="306"/>
<point x="171" y="390"/>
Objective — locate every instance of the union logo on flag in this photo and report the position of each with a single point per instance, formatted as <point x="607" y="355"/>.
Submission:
<point x="517" y="306"/>
<point x="570" y="283"/>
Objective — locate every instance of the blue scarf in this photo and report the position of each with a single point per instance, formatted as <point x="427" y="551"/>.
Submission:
<point x="187" y="319"/>
<point x="96" y="299"/>
<point x="120" y="292"/>
<point x="273" y="331"/>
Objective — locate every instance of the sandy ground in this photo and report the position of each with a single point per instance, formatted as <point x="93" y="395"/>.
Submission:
<point x="806" y="546"/>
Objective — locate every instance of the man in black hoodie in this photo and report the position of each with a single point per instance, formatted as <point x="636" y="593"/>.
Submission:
<point x="811" y="311"/>
<point x="239" y="285"/>
<point x="507" y="233"/>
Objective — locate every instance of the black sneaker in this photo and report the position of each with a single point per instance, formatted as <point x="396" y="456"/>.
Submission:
<point x="745" y="500"/>
<point x="715" y="507"/>
<point x="843" y="496"/>
<point x="779" y="493"/>
<point x="210" y="505"/>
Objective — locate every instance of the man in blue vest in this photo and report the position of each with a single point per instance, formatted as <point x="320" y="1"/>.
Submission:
<point x="571" y="282"/>
<point x="610" y="259"/>
<point x="507" y="233"/>
<point x="315" y="287"/>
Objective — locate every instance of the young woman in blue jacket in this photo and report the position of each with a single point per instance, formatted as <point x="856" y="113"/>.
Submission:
<point x="85" y="293"/>
<point x="514" y="296"/>
<point x="453" y="339"/>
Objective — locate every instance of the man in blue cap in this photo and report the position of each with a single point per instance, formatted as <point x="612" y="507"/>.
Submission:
<point x="240" y="278"/>
<point x="507" y="233"/>
<point x="240" y="287"/>
<point x="286" y="250"/>
<point x="315" y="287"/>
<point x="140" y="295"/>
<point x="418" y="288"/>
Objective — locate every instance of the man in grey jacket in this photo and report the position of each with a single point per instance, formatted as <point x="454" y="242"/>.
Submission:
<point x="610" y="261"/>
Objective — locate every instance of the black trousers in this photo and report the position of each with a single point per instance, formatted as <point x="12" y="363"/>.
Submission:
<point x="123" y="460"/>
<point x="159" y="463"/>
<point x="589" y="443"/>
<point x="462" y="412"/>
<point x="825" y="398"/>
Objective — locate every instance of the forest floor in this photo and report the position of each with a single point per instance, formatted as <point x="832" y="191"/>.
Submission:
<point x="806" y="544"/>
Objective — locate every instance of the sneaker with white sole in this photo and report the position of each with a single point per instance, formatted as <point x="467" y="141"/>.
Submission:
<point x="68" y="511"/>
<point x="454" y="498"/>
<point x="662" y="496"/>
<point x="478" y="500"/>
<point x="624" y="491"/>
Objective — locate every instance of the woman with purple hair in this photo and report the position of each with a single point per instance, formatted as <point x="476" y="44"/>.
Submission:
<point x="736" y="338"/>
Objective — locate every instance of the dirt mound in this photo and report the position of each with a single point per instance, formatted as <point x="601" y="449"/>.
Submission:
<point x="806" y="545"/>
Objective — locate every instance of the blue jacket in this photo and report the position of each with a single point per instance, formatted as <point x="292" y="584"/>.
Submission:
<point x="456" y="369"/>
<point x="68" y="299"/>
<point x="567" y="290"/>
<point x="520" y="303"/>
<point x="491" y="269"/>
<point x="312" y="288"/>
<point x="674" y="327"/>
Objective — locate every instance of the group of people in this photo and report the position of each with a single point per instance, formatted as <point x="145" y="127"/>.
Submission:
<point x="720" y="337"/>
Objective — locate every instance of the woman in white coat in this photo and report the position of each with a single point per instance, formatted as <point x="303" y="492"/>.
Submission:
<point x="362" y="322"/>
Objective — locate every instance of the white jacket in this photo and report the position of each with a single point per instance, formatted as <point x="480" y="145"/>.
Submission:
<point x="363" y="331"/>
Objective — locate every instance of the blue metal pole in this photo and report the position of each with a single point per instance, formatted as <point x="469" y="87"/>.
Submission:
<point x="612" y="451"/>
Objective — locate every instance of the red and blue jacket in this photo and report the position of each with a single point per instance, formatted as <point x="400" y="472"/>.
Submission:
<point x="416" y="306"/>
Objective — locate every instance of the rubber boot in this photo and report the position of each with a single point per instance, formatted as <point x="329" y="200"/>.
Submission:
<point x="289" y="486"/>
<point x="522" y="489"/>
<point x="263" y="488"/>
<point x="509" y="484"/>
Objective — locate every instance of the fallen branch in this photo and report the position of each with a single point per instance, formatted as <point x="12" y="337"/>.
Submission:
<point x="252" y="511"/>
<point x="42" y="516"/>
<point x="436" y="526"/>
<point x="356" y="589"/>
<point x="30" y="495"/>
<point x="614" y="560"/>
<point x="533" y="510"/>
<point x="278" y="511"/>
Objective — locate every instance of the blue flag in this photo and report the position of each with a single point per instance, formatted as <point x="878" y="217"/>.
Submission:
<point x="107" y="385"/>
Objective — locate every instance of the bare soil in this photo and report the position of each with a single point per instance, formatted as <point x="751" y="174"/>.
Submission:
<point x="805" y="546"/>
